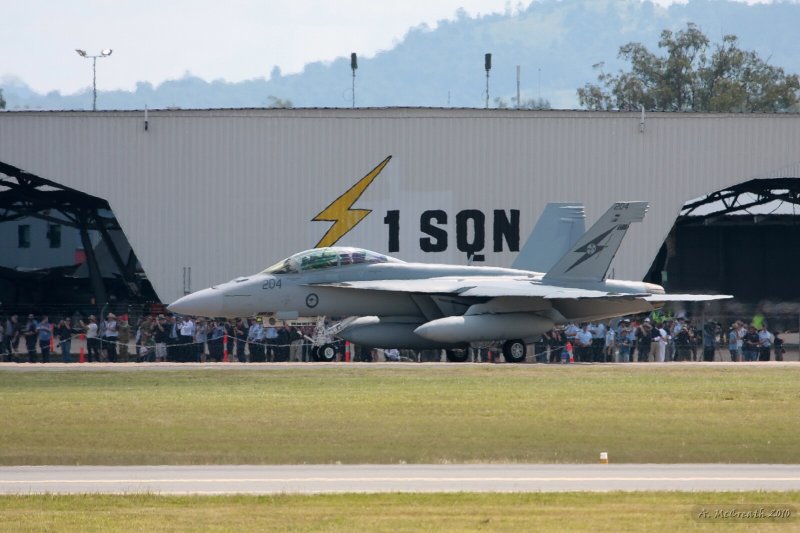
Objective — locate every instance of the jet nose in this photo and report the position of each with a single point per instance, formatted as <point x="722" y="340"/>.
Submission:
<point x="207" y="302"/>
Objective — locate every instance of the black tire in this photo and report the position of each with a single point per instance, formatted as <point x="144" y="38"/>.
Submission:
<point x="515" y="351"/>
<point x="314" y="356"/>
<point x="326" y="353"/>
<point x="457" y="356"/>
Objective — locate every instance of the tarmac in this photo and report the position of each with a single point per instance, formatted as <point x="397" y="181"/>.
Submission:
<point x="310" y="479"/>
<point x="134" y="367"/>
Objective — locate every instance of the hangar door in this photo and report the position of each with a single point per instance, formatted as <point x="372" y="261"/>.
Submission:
<point x="62" y="249"/>
<point x="744" y="240"/>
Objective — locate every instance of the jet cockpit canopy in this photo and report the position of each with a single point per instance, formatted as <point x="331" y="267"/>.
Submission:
<point x="320" y="258"/>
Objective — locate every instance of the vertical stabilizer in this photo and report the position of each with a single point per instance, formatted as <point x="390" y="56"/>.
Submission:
<point x="559" y="227"/>
<point x="591" y="256"/>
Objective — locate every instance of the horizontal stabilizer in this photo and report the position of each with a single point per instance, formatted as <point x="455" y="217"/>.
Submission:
<point x="687" y="297"/>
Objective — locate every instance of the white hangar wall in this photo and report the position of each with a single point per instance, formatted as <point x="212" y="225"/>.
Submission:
<point x="228" y="192"/>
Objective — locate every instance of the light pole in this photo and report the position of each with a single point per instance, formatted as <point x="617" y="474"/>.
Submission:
<point x="103" y="53"/>
<point x="353" y="67"/>
<point x="487" y="64"/>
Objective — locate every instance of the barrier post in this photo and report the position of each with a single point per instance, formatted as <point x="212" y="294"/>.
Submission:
<point x="225" y="348"/>
<point x="346" y="351"/>
<point x="83" y="338"/>
<point x="570" y="352"/>
<point x="52" y="340"/>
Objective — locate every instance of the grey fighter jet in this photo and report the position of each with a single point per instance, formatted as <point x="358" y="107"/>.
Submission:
<point x="420" y="305"/>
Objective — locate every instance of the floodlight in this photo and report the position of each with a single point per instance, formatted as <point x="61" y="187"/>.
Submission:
<point x="105" y="52"/>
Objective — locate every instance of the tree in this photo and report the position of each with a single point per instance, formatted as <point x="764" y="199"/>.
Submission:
<point x="693" y="76"/>
<point x="2" y="100"/>
<point x="281" y="103"/>
<point x="531" y="103"/>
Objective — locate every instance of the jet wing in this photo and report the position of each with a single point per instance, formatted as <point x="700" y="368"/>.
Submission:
<point x="491" y="287"/>
<point x="548" y="292"/>
<point x="686" y="297"/>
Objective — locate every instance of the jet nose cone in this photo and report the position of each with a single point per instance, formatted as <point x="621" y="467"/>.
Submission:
<point x="207" y="302"/>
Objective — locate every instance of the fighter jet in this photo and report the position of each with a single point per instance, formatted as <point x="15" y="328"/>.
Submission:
<point x="393" y="303"/>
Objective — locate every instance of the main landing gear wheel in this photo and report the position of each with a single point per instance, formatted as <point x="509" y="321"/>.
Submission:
<point x="457" y="356"/>
<point x="314" y="355"/>
<point x="326" y="353"/>
<point x="514" y="351"/>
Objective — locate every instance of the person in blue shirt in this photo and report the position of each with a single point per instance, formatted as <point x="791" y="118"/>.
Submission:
<point x="255" y="341"/>
<point x="733" y="343"/>
<point x="584" y="344"/>
<point x="764" y="343"/>
<point x="44" y="335"/>
<point x="626" y="339"/>
<point x="29" y="333"/>
<point x="271" y="337"/>
<point x="64" y="332"/>
<point x="709" y="340"/>
<point x="750" y="344"/>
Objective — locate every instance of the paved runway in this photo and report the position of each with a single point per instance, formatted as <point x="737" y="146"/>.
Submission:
<point x="395" y="478"/>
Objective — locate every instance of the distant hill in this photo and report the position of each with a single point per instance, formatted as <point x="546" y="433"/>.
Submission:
<point x="554" y="42"/>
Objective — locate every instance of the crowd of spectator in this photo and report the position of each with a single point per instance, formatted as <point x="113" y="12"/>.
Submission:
<point x="673" y="339"/>
<point x="153" y="338"/>
<point x="157" y="338"/>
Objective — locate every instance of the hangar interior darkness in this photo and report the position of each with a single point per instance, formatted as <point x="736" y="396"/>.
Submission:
<point x="100" y="269"/>
<point x="743" y="240"/>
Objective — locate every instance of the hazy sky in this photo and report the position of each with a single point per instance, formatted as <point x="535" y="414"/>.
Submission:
<point x="156" y="40"/>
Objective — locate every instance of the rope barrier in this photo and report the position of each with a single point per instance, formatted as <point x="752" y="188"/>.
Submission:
<point x="225" y="340"/>
<point x="553" y="354"/>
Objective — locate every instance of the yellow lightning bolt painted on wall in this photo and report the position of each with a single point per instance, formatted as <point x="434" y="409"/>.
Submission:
<point x="344" y="219"/>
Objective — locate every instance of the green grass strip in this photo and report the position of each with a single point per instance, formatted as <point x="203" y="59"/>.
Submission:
<point x="637" y="511"/>
<point x="408" y="413"/>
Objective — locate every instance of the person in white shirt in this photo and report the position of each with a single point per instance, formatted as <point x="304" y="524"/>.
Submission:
<point x="92" y="339"/>
<point x="185" y="340"/>
<point x="741" y="331"/>
<point x="200" y="338"/>
<point x="598" y="341"/>
<point x="661" y="337"/>
<point x="111" y="336"/>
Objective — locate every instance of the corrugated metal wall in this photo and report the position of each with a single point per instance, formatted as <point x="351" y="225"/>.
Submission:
<point x="228" y="192"/>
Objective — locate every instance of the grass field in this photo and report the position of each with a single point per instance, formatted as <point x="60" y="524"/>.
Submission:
<point x="659" y="511"/>
<point x="408" y="413"/>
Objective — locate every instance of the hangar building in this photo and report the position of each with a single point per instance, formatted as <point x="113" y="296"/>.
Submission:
<point x="204" y="196"/>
